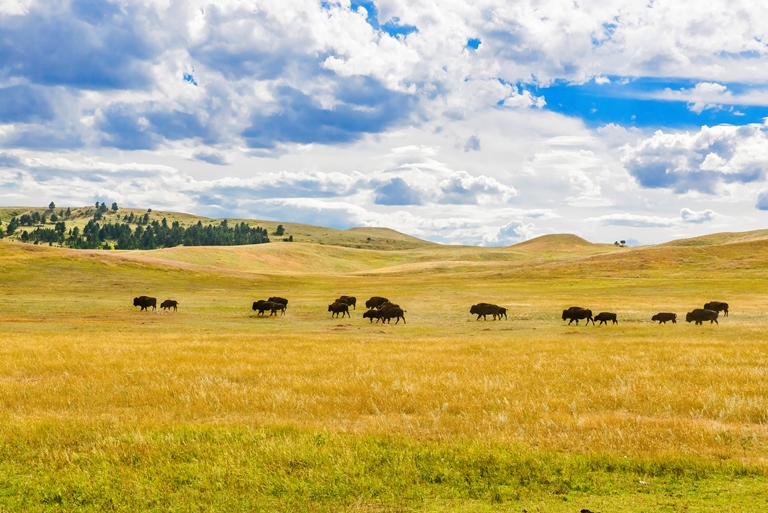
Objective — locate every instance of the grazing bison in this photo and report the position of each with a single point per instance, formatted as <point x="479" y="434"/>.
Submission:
<point x="350" y="300"/>
<point x="484" y="309"/>
<point x="280" y="300"/>
<point x="339" y="307"/>
<point x="376" y="301"/>
<point x="700" y="315"/>
<point x="392" y="312"/>
<point x="168" y="304"/>
<point x="604" y="317"/>
<point x="257" y="304"/>
<point x="717" y="306"/>
<point x="145" y="302"/>
<point x="663" y="317"/>
<point x="575" y="313"/>
<point x="373" y="314"/>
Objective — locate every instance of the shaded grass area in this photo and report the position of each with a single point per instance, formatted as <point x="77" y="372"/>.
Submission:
<point x="185" y="468"/>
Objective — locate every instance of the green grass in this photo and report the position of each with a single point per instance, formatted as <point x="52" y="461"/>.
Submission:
<point x="213" y="408"/>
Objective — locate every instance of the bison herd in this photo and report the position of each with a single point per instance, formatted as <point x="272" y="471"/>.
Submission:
<point x="381" y="309"/>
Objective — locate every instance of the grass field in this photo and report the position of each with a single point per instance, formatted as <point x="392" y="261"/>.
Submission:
<point x="214" y="409"/>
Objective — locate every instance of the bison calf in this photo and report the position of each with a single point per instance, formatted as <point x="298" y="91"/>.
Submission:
<point x="663" y="317"/>
<point x="168" y="304"/>
<point x="604" y="317"/>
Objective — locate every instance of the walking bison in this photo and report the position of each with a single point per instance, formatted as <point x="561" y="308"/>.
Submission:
<point x="699" y="315"/>
<point x="575" y="313"/>
<point x="145" y="302"/>
<point x="339" y="308"/>
<point x="604" y="317"/>
<point x="663" y="317"/>
<point x="376" y="301"/>
<point x="485" y="309"/>
<point x="168" y="304"/>
<point x="350" y="300"/>
<point x="280" y="300"/>
<point x="717" y="306"/>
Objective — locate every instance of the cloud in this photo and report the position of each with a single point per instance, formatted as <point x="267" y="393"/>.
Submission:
<point x="24" y="104"/>
<point x="472" y="144"/>
<point x="130" y="127"/>
<point x="363" y="106"/>
<point x="633" y="220"/>
<point x="762" y="200"/>
<point x="397" y="192"/>
<point x="93" y="46"/>
<point x="511" y="233"/>
<point x="462" y="188"/>
<point x="699" y="161"/>
<point x="690" y="216"/>
<point x="211" y="157"/>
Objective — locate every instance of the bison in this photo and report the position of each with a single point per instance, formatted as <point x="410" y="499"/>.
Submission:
<point x="280" y="300"/>
<point x="663" y="317"/>
<point x="717" y="306"/>
<point x="575" y="313"/>
<point x="262" y="306"/>
<point x="484" y="309"/>
<point x="387" y="305"/>
<point x="339" y="308"/>
<point x="393" y="312"/>
<point x="604" y="317"/>
<point x="350" y="300"/>
<point x="168" y="304"/>
<point x="376" y="301"/>
<point x="373" y="314"/>
<point x="699" y="315"/>
<point x="145" y="302"/>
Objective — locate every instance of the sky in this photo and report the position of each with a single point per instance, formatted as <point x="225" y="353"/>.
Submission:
<point x="484" y="122"/>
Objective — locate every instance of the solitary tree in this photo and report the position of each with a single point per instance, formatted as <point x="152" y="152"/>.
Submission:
<point x="279" y="231"/>
<point x="114" y="206"/>
<point x="51" y="205"/>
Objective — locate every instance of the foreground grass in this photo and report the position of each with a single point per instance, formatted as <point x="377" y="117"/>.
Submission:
<point x="267" y="469"/>
<point x="211" y="408"/>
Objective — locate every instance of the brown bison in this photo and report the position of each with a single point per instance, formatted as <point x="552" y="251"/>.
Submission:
<point x="663" y="317"/>
<point x="376" y="301"/>
<point x="373" y="314"/>
<point x="145" y="302"/>
<point x="604" y="317"/>
<point x="484" y="309"/>
<point x="280" y="300"/>
<point x="699" y="315"/>
<point x="717" y="306"/>
<point x="350" y="300"/>
<point x="262" y="306"/>
<point x="575" y="313"/>
<point x="168" y="304"/>
<point x="392" y="312"/>
<point x="387" y="305"/>
<point x="339" y="308"/>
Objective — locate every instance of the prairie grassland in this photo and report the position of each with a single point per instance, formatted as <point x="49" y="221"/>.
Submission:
<point x="214" y="408"/>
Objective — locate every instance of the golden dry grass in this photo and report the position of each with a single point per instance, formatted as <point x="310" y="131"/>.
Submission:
<point x="76" y="354"/>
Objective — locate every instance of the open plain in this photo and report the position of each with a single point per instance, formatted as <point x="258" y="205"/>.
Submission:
<point x="212" y="408"/>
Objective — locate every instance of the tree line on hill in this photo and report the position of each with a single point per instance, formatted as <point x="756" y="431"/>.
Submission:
<point x="148" y="234"/>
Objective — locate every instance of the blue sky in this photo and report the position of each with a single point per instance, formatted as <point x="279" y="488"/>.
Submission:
<point x="482" y="122"/>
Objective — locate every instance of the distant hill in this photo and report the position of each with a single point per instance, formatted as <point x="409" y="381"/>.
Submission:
<point x="716" y="239"/>
<point x="360" y="238"/>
